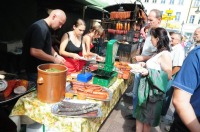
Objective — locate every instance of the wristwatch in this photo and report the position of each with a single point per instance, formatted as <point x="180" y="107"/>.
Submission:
<point x="55" y="55"/>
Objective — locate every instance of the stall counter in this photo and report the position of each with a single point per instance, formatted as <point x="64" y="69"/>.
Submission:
<point x="40" y="112"/>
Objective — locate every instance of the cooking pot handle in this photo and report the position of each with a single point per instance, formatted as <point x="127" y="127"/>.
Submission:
<point x="40" y="80"/>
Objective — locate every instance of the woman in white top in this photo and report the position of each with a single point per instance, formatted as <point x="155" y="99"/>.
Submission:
<point x="161" y="60"/>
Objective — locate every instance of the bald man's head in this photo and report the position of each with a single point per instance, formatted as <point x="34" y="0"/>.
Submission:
<point x="56" y="19"/>
<point x="196" y="35"/>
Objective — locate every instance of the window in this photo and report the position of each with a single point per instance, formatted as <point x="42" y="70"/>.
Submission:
<point x="146" y="1"/>
<point x="191" y="19"/>
<point x="196" y="3"/>
<point x="162" y="2"/>
<point x="171" y="2"/>
<point x="180" y="2"/>
<point x="178" y="15"/>
<point x="154" y="1"/>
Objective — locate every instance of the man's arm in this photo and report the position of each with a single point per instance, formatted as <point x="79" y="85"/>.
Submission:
<point x="40" y="54"/>
<point x="181" y="102"/>
<point x="141" y="58"/>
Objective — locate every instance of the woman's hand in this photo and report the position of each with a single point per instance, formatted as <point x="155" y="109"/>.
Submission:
<point x="144" y="72"/>
<point x="142" y="64"/>
<point x="76" y="56"/>
<point x="138" y="58"/>
<point x="85" y="54"/>
<point x="100" y="58"/>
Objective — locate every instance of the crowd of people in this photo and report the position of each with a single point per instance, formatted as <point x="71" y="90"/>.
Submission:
<point x="165" y="51"/>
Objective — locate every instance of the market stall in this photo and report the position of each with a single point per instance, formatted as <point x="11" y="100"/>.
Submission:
<point x="103" y="87"/>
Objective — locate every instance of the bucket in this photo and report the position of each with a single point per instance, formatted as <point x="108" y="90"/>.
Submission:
<point x="51" y="82"/>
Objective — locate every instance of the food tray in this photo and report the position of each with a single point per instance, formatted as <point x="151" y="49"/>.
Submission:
<point x="12" y="96"/>
<point x="93" y="58"/>
<point x="54" y="109"/>
<point x="108" y="99"/>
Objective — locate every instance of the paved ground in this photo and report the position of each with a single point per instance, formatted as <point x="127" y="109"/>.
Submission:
<point x="116" y="121"/>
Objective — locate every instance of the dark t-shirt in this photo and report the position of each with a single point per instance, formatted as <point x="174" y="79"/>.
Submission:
<point x="38" y="36"/>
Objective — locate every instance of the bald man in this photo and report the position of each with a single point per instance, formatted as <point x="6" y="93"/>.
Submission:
<point x="37" y="44"/>
<point x="196" y="38"/>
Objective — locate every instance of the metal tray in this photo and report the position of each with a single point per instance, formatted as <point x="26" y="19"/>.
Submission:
<point x="55" y="107"/>
<point x="12" y="96"/>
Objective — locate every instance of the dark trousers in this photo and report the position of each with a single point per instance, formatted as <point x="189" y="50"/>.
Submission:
<point x="6" y="124"/>
<point x="178" y="125"/>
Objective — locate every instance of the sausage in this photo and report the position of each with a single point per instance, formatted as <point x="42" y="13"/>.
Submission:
<point x="101" y="93"/>
<point x="77" y="83"/>
<point x="94" y="88"/>
<point x="125" y="26"/>
<point x="10" y="87"/>
<point x="94" y="96"/>
<point x="23" y="83"/>
<point x="76" y="113"/>
<point x="128" y="28"/>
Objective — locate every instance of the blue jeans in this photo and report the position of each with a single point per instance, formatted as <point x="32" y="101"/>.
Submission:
<point x="167" y="100"/>
<point x="135" y="90"/>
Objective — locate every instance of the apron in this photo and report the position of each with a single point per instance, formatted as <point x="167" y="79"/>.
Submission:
<point x="74" y="65"/>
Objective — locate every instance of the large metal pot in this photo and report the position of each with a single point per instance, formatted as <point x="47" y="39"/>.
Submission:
<point x="51" y="85"/>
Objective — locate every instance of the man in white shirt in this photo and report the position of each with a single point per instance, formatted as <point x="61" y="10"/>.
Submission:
<point x="178" y="52"/>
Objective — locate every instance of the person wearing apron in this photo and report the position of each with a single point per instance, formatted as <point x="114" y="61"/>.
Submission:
<point x="72" y="47"/>
<point x="94" y="33"/>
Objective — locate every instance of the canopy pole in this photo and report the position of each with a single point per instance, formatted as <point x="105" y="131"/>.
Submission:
<point x="84" y="8"/>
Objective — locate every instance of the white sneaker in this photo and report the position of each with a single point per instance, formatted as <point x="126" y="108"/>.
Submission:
<point x="167" y="128"/>
<point x="130" y="94"/>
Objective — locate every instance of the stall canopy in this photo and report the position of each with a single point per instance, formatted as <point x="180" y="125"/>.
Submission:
<point x="105" y="3"/>
<point x="107" y="6"/>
